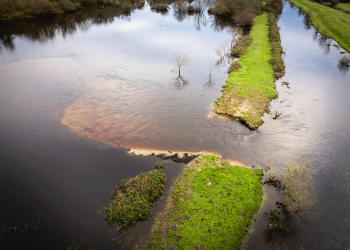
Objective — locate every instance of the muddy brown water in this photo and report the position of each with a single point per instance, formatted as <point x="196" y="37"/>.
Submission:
<point x="76" y="88"/>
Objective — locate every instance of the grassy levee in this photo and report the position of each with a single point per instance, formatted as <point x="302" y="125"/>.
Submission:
<point x="249" y="89"/>
<point x="329" y="22"/>
<point x="344" y="6"/>
<point x="211" y="207"/>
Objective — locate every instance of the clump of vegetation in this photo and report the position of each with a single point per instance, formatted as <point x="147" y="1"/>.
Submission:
<point x="234" y="66"/>
<point x="286" y="84"/>
<point x="134" y="198"/>
<point x="276" y="49"/>
<point x="344" y="6"/>
<point x="298" y="191"/>
<point x="21" y="9"/>
<point x="160" y="7"/>
<point x="243" y="12"/>
<point x="249" y="89"/>
<point x="274" y="6"/>
<point x="28" y="225"/>
<point x="344" y="61"/>
<point x="211" y="206"/>
<point x="277" y="115"/>
<point x="180" y="6"/>
<point x="328" y="22"/>
<point x="240" y="46"/>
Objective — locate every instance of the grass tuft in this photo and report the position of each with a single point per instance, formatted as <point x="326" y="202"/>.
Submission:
<point x="134" y="198"/>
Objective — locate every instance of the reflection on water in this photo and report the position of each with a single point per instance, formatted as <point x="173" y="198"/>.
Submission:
<point x="45" y="29"/>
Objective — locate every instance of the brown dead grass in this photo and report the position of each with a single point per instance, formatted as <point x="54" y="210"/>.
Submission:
<point x="239" y="106"/>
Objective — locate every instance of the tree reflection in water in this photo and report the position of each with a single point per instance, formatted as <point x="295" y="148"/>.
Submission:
<point x="179" y="82"/>
<point x="47" y="28"/>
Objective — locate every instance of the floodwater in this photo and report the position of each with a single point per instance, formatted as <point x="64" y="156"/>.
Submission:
<point x="77" y="88"/>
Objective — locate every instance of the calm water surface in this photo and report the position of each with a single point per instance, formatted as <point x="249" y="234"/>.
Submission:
<point x="74" y="88"/>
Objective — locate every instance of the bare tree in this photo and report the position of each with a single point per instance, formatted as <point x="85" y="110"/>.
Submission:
<point x="180" y="59"/>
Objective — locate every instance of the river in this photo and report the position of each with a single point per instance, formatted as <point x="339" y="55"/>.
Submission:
<point x="77" y="89"/>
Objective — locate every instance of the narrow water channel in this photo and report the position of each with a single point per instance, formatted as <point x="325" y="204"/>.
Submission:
<point x="76" y="88"/>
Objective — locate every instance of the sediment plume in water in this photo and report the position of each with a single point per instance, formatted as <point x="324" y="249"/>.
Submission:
<point x="103" y="113"/>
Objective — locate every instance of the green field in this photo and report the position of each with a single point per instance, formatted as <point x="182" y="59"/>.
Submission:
<point x="211" y="207"/>
<point x="249" y="89"/>
<point x="344" y="6"/>
<point x="329" y="22"/>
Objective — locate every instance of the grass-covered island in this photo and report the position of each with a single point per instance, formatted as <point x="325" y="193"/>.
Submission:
<point x="211" y="206"/>
<point x="134" y="198"/>
<point x="250" y="85"/>
<point x="329" y="22"/>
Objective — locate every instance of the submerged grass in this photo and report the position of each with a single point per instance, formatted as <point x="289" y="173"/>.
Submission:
<point x="250" y="88"/>
<point x="211" y="207"/>
<point x="329" y="22"/>
<point x="134" y="198"/>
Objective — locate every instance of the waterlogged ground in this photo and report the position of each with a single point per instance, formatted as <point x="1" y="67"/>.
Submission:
<point x="73" y="88"/>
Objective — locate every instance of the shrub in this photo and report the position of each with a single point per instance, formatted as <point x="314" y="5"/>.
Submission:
<point x="276" y="49"/>
<point x="298" y="190"/>
<point x="274" y="6"/>
<point x="180" y="6"/>
<point x="239" y="48"/>
<point x="160" y="7"/>
<point x="134" y="198"/>
<point x="334" y="3"/>
<point x="234" y="66"/>
<point x="246" y="17"/>
<point x="344" y="61"/>
<point x="67" y="5"/>
<point x="242" y="11"/>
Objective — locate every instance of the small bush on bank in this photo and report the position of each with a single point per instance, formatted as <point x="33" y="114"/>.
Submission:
<point x="276" y="49"/>
<point x="274" y="6"/>
<point x="242" y="11"/>
<point x="234" y="66"/>
<point x="134" y="198"/>
<point x="180" y="6"/>
<point x="239" y="48"/>
<point x="160" y="7"/>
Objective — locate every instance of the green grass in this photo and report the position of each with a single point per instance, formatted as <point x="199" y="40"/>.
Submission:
<point x="15" y="15"/>
<point x="249" y="89"/>
<point x="211" y="206"/>
<point x="344" y="6"/>
<point x="329" y="22"/>
<point x="134" y="198"/>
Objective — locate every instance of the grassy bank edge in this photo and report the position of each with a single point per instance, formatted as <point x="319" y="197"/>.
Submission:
<point x="327" y="21"/>
<point x="176" y="220"/>
<point x="344" y="6"/>
<point x="249" y="89"/>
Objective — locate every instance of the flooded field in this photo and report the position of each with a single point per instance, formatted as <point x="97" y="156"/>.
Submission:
<point x="77" y="89"/>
